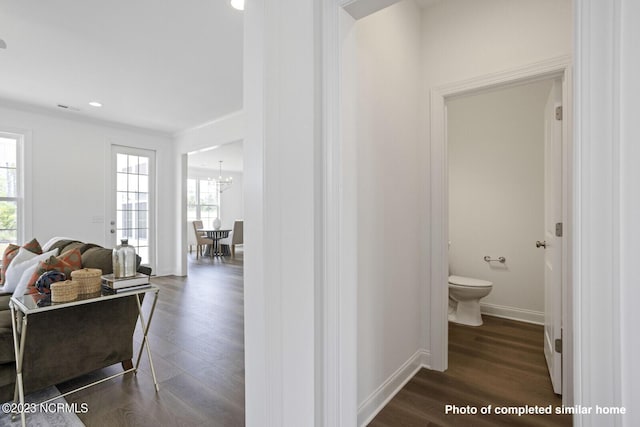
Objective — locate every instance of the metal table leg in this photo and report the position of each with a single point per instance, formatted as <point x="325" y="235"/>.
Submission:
<point x="19" y="355"/>
<point x="145" y="337"/>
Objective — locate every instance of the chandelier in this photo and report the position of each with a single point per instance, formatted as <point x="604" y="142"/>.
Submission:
<point x="223" y="183"/>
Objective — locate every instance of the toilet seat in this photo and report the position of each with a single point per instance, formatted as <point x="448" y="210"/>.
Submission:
<point x="469" y="282"/>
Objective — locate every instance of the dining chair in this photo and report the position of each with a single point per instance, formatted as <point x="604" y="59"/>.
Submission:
<point x="237" y="236"/>
<point x="201" y="238"/>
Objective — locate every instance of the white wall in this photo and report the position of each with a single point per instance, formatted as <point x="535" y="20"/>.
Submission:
<point x="469" y="38"/>
<point x="388" y="136"/>
<point x="70" y="179"/>
<point x="463" y="39"/>
<point x="496" y="194"/>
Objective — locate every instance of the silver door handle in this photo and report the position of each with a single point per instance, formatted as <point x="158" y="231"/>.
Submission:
<point x="540" y="244"/>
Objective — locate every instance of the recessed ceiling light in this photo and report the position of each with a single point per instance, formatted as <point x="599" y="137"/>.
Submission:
<point x="95" y="104"/>
<point x="237" y="4"/>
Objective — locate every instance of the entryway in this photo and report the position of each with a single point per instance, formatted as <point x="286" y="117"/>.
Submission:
<point x="553" y="238"/>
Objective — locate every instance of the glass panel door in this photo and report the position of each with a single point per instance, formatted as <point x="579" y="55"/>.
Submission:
<point x="134" y="201"/>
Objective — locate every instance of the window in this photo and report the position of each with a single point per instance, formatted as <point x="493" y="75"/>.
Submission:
<point x="11" y="224"/>
<point x="202" y="201"/>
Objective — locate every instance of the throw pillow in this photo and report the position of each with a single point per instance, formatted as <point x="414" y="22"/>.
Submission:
<point x="52" y="241"/>
<point x="65" y="263"/>
<point x="21" y="288"/>
<point x="23" y="260"/>
<point x="11" y="252"/>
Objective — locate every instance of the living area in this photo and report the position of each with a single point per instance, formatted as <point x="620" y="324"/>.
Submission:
<point x="95" y="152"/>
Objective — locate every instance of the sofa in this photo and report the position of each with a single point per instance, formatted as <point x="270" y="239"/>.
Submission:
<point x="64" y="344"/>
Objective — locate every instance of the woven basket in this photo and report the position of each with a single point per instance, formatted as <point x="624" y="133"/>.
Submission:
<point x="88" y="280"/>
<point x="64" y="291"/>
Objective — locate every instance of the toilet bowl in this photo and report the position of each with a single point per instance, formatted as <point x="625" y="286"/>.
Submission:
<point x="464" y="299"/>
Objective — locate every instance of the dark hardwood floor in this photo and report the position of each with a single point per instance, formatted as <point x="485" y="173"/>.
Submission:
<point x="197" y="340"/>
<point x="500" y="363"/>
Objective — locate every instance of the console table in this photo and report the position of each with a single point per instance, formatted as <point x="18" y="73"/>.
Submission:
<point x="32" y="304"/>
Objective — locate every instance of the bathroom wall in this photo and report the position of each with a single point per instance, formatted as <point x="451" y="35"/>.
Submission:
<point x="388" y="123"/>
<point x="496" y="195"/>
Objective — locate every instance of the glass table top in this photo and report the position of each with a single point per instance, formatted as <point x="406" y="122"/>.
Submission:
<point x="33" y="303"/>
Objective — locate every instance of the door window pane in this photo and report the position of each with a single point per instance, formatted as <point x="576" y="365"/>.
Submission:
<point x="132" y="202"/>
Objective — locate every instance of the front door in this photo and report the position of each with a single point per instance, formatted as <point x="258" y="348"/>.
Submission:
<point x="133" y="195"/>
<point x="552" y="244"/>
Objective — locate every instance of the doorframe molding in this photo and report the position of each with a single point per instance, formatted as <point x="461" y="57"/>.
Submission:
<point x="340" y="293"/>
<point x="554" y="67"/>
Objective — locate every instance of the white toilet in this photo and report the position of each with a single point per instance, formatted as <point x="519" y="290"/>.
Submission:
<point x="464" y="299"/>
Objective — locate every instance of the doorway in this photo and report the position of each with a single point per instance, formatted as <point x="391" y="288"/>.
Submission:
<point x="133" y="201"/>
<point x="556" y="69"/>
<point x="505" y="200"/>
<point x="214" y="196"/>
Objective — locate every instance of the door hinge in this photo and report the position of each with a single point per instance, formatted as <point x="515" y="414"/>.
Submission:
<point x="559" y="113"/>
<point x="559" y="345"/>
<point x="558" y="229"/>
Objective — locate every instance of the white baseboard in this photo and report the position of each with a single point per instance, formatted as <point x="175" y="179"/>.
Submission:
<point x="388" y="389"/>
<point x="519" y="314"/>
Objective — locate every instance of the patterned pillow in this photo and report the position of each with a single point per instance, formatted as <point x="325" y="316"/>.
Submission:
<point x="11" y="252"/>
<point x="65" y="263"/>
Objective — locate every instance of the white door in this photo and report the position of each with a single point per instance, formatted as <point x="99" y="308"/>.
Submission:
<point x="133" y="200"/>
<point x="552" y="244"/>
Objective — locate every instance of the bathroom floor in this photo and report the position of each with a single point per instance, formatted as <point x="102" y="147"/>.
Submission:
<point x="500" y="363"/>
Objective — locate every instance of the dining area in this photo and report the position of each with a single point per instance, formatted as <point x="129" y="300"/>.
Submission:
<point x="215" y="242"/>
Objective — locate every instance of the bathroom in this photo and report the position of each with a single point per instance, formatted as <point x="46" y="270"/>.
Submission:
<point x="495" y="145"/>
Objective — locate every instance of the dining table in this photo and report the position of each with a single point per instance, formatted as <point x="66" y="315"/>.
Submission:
<point x="216" y="235"/>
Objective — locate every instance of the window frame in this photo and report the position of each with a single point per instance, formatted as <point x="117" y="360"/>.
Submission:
<point x="23" y="184"/>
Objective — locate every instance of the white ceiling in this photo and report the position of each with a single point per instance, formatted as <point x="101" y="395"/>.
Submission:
<point x="230" y="154"/>
<point x="158" y="64"/>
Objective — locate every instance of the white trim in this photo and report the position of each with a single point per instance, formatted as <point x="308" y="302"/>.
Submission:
<point x="284" y="221"/>
<point x="513" y="313"/>
<point x="339" y="323"/>
<point x="597" y="215"/>
<point x="377" y="400"/>
<point x="559" y="66"/>
<point x="239" y="115"/>
<point x="183" y="225"/>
